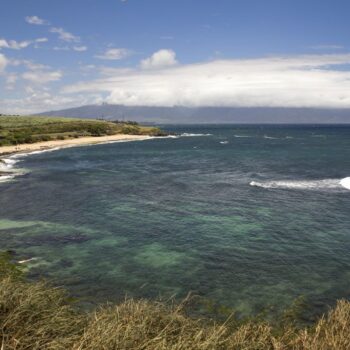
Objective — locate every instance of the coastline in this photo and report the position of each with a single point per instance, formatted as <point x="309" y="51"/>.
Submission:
<point x="9" y="154"/>
<point x="81" y="141"/>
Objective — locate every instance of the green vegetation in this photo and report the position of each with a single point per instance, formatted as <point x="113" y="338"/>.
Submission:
<point x="17" y="130"/>
<point x="34" y="315"/>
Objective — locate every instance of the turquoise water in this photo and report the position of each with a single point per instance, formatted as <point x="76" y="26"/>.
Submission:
<point x="246" y="217"/>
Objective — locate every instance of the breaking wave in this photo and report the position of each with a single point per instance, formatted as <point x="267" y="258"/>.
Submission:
<point x="345" y="183"/>
<point x="185" y="134"/>
<point x="325" y="184"/>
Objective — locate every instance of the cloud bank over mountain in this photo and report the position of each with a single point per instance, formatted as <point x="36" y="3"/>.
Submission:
<point x="294" y="81"/>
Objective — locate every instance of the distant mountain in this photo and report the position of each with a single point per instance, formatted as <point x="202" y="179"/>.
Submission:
<point x="186" y="115"/>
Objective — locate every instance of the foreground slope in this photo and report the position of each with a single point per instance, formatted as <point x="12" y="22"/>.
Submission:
<point x="37" y="316"/>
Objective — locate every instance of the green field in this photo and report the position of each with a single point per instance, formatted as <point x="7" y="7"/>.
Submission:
<point x="18" y="129"/>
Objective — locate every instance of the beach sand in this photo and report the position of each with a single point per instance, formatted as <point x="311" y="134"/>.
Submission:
<point x="90" y="140"/>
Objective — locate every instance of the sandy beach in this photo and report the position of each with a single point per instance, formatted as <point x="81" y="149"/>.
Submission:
<point x="39" y="146"/>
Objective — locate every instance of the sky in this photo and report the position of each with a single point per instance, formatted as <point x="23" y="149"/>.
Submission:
<point x="56" y="54"/>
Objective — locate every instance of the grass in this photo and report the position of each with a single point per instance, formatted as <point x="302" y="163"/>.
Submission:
<point x="17" y="130"/>
<point x="34" y="315"/>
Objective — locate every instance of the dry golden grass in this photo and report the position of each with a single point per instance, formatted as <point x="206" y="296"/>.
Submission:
<point x="33" y="316"/>
<point x="36" y="316"/>
<point x="331" y="331"/>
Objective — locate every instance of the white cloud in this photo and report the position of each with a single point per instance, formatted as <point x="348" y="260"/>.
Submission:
<point x="11" y="80"/>
<point x="79" y="48"/>
<point x="161" y="58"/>
<point x="114" y="54"/>
<point x="34" y="66"/>
<point x="64" y="35"/>
<point x="296" y="81"/>
<point x="3" y="44"/>
<point x="42" y="76"/>
<point x="18" y="45"/>
<point x="112" y="71"/>
<point x="67" y="48"/>
<point x="38" y="99"/>
<point x="41" y="40"/>
<point x="36" y="20"/>
<point x="28" y="64"/>
<point x="61" y="48"/>
<point x="13" y="44"/>
<point x="3" y="62"/>
<point x="88" y="67"/>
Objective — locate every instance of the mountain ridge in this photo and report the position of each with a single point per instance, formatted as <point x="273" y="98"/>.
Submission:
<point x="217" y="115"/>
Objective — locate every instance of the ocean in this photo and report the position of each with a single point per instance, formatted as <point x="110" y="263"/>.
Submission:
<point x="246" y="217"/>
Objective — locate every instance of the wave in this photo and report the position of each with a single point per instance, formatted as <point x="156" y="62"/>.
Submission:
<point x="17" y="157"/>
<point x="185" y="134"/>
<point x="7" y="163"/>
<point x="326" y="184"/>
<point x="265" y="137"/>
<point x="6" y="169"/>
<point x="6" y="178"/>
<point x="345" y="183"/>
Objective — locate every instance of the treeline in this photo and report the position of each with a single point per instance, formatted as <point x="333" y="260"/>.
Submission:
<point x="17" y="130"/>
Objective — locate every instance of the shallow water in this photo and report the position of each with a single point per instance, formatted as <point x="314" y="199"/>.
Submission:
<point x="247" y="217"/>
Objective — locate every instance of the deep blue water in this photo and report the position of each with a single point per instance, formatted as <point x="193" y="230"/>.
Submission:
<point x="247" y="217"/>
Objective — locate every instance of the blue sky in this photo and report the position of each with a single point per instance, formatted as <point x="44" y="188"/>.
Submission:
<point x="60" y="53"/>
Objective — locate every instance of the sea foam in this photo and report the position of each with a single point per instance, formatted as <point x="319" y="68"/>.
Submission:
<point x="185" y="134"/>
<point x="325" y="184"/>
<point x="345" y="183"/>
<point x="5" y="178"/>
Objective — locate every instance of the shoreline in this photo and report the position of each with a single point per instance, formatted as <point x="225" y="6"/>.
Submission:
<point x="8" y="153"/>
<point x="81" y="141"/>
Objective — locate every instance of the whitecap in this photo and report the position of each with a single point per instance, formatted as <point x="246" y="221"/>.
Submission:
<point x="185" y="134"/>
<point x="7" y="173"/>
<point x="8" y="162"/>
<point x="242" y="136"/>
<point x="345" y="183"/>
<point x="224" y="142"/>
<point x="325" y="184"/>
<point x="270" y="137"/>
<point x="27" y="260"/>
<point x="6" y="178"/>
<point x="22" y="155"/>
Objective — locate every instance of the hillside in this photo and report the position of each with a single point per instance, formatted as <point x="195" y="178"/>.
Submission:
<point x="18" y="130"/>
